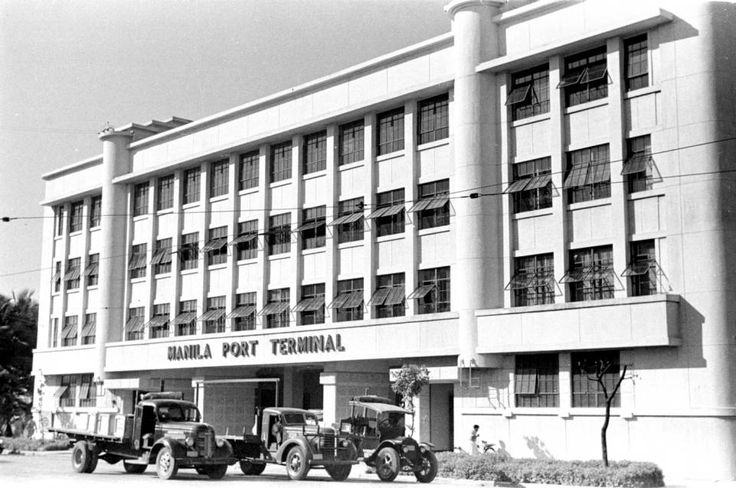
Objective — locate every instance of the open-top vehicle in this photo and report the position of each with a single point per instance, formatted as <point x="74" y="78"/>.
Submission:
<point x="164" y="430"/>
<point x="293" y="437"/>
<point x="377" y="428"/>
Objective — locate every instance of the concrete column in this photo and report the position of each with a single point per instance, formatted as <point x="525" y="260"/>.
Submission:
<point x="332" y="165"/>
<point x="558" y="163"/>
<point x="411" y="195"/>
<point x="478" y="274"/>
<point x="112" y="272"/>
<point x="422" y="410"/>
<point x="369" y="241"/>
<point x="263" y="214"/>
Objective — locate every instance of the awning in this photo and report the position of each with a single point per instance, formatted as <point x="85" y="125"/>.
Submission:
<point x="158" y="321"/>
<point x="212" y="314"/>
<point x="347" y="300"/>
<point x="347" y="219"/>
<point x="576" y="275"/>
<point x="91" y="269"/>
<point x="185" y="318"/>
<point x="72" y="274"/>
<point x="430" y="203"/>
<point x="518" y="95"/>
<point x="599" y="172"/>
<point x="539" y="182"/>
<point x="518" y="185"/>
<point x="379" y="297"/>
<point x="134" y="324"/>
<point x="60" y="391"/>
<point x="636" y="164"/>
<point x="421" y="291"/>
<point x="84" y="391"/>
<point x="214" y="244"/>
<point x="161" y="256"/>
<point x="244" y="238"/>
<point x="274" y="308"/>
<point x="310" y="304"/>
<point x="90" y="328"/>
<point x="577" y="176"/>
<point x="594" y="73"/>
<point x="387" y="211"/>
<point x="396" y="297"/>
<point x="137" y="261"/>
<point x="242" y="311"/>
<point x="570" y="80"/>
<point x="69" y="331"/>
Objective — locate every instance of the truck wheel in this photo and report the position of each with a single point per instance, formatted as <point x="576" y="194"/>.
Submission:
<point x="249" y="468"/>
<point x="429" y="467"/>
<point x="81" y="455"/>
<point x="166" y="466"/>
<point x="93" y="458"/>
<point x="297" y="465"/>
<point x="217" y="472"/>
<point x="339" y="472"/>
<point x="387" y="464"/>
<point x="134" y="468"/>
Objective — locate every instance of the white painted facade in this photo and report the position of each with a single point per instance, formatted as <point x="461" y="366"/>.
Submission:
<point x="678" y="400"/>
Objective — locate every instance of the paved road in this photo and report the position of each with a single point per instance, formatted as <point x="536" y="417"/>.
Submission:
<point x="53" y="470"/>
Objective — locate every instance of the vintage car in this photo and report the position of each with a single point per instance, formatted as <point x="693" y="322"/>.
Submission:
<point x="377" y="428"/>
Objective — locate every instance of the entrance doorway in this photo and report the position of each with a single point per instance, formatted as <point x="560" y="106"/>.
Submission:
<point x="441" y="399"/>
<point x="312" y="398"/>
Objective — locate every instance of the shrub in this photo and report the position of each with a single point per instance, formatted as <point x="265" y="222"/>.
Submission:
<point x="497" y="467"/>
<point x="15" y="445"/>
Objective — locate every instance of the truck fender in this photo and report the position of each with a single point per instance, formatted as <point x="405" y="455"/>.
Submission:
<point x="394" y="443"/>
<point x="226" y="451"/>
<point x="427" y="446"/>
<point x="176" y="448"/>
<point x="286" y="447"/>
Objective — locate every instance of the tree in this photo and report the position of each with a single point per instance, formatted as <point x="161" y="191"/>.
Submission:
<point x="18" y="326"/>
<point x="409" y="381"/>
<point x="597" y="370"/>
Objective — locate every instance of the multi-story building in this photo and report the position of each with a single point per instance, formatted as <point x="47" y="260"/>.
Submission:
<point x="546" y="187"/>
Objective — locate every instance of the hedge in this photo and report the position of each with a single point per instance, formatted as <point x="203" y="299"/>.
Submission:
<point x="14" y="445"/>
<point x="497" y="467"/>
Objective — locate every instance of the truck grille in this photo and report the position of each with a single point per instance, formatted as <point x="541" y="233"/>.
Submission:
<point x="205" y="443"/>
<point x="329" y="442"/>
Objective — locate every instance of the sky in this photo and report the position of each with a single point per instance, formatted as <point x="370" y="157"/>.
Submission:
<point x="70" y="67"/>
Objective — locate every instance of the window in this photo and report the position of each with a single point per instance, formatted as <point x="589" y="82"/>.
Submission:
<point x="277" y="309"/>
<point x="433" y="120"/>
<point x="244" y="315"/>
<point x="69" y="332"/>
<point x="54" y="339"/>
<point x="390" y="131"/>
<point x="218" y="178"/>
<point x="95" y="211"/>
<point x="87" y="391"/>
<point x="388" y="299"/>
<point x="59" y="220"/>
<point x="165" y="193"/>
<point x="140" y="199"/>
<point x="89" y="330"/>
<point x="533" y="282"/>
<point x="214" y="317"/>
<point x="638" y="169"/>
<point x="248" y="171"/>
<point x="351" y="142"/>
<point x="137" y="264"/>
<point x="73" y="272"/>
<point x="134" y="327"/>
<point x="389" y="213"/>
<point x="191" y="185"/>
<point x="590" y="276"/>
<point x="433" y="290"/>
<point x="349" y="221"/>
<point x="531" y="186"/>
<point x="586" y="391"/>
<point x="216" y="246"/>
<point x="56" y="279"/>
<point x="529" y="94"/>
<point x="312" y="230"/>
<point x="161" y="259"/>
<point x="189" y="252"/>
<point x="637" y="63"/>
<point x="315" y="152"/>
<point x="75" y="216"/>
<point x="643" y="270"/>
<point x="586" y="77"/>
<point x="68" y="391"/>
<point x="311" y="308"/>
<point x="247" y="240"/>
<point x="280" y="162"/>
<point x="186" y="321"/>
<point x="536" y="381"/>
<point x="349" y="300"/>
<point x="279" y="234"/>
<point x="77" y="386"/>
<point x="588" y="174"/>
<point x="433" y="206"/>
<point x="92" y="271"/>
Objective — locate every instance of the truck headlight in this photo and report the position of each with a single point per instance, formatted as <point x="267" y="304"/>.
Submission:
<point x="344" y="443"/>
<point x="189" y="441"/>
<point x="219" y="442"/>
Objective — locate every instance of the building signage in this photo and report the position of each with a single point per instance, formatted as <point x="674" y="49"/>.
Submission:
<point x="279" y="347"/>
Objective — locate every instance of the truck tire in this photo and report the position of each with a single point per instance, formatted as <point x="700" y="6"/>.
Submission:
<point x="217" y="472"/>
<point x="81" y="455"/>
<point x="387" y="464"/>
<point x="249" y="468"/>
<point x="429" y="467"/>
<point x="166" y="465"/>
<point x="297" y="465"/>
<point x="339" y="472"/>
<point x="93" y="458"/>
<point x="134" y="468"/>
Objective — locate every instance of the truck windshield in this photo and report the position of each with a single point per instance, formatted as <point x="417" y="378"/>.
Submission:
<point x="391" y="424"/>
<point x="174" y="412"/>
<point x="300" y="419"/>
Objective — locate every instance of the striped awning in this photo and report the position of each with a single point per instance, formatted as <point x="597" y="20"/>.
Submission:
<point x="347" y="219"/>
<point x="212" y="314"/>
<point x="347" y="300"/>
<point x="387" y="211"/>
<point x="214" y="244"/>
<point x="430" y="203"/>
<point x="242" y="311"/>
<point x="421" y="291"/>
<point x="274" y="308"/>
<point x="185" y="318"/>
<point x="135" y="324"/>
<point x="310" y="304"/>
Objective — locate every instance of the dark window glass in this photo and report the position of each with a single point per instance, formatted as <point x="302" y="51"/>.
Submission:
<point x="586" y="77"/>
<point x="536" y="381"/>
<point x="89" y="328"/>
<point x="315" y="152"/>
<point x="216" y="247"/>
<point x="393" y="223"/>
<point x="138" y="261"/>
<point x="349" y="304"/>
<point x="435" y="197"/>
<point x="532" y="185"/>
<point x="186" y="321"/>
<point x="59" y="220"/>
<point x="219" y="178"/>
<point x="533" y="282"/>
<point x="313" y="227"/>
<point x="639" y="152"/>
<point x="73" y="273"/>
<point x="351" y="142"/>
<point x="248" y="171"/>
<point x="434" y="287"/>
<point x="69" y="332"/>
<point x="160" y="321"/>
<point x="161" y="259"/>
<point x="95" y="211"/>
<point x="92" y="271"/>
<point x="390" y="131"/>
<point x="56" y="279"/>
<point x="247" y="240"/>
<point x="75" y="216"/>
<point x="189" y="251"/>
<point x="279" y="234"/>
<point x="591" y="274"/>
<point x="140" y="199"/>
<point x="280" y="168"/>
<point x="165" y="193"/>
<point x="279" y="319"/>
<point x="247" y="319"/>
<point x="134" y="327"/>
<point x="191" y="185"/>
<point x="389" y="299"/>
<point x="586" y="391"/>
<point x="314" y="314"/>
<point x="644" y="268"/>
<point x="433" y="119"/>
<point x="215" y="316"/>
<point x="353" y="229"/>
<point x="588" y="174"/>
<point x="529" y="94"/>
<point x="637" y="63"/>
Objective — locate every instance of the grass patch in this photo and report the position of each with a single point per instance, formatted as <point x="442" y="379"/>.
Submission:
<point x="14" y="445"/>
<point x="496" y="467"/>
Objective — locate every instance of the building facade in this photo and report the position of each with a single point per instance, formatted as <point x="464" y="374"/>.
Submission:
<point x="544" y="189"/>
